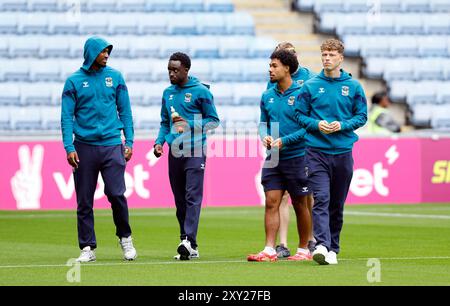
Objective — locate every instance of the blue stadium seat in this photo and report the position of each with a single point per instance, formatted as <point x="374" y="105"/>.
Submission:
<point x="145" y="46"/>
<point x="95" y="23"/>
<point x="226" y="70"/>
<point x="77" y="46"/>
<point x="375" y="46"/>
<point x="54" y="47"/>
<point x="256" y="70"/>
<point x="385" y="25"/>
<point x="121" y="46"/>
<point x="374" y="67"/>
<point x="13" y="5"/>
<point x="421" y="115"/>
<point x="261" y="47"/>
<point x="429" y="69"/>
<point x="132" y="6"/>
<point x="139" y="71"/>
<point x="44" y="5"/>
<point x="35" y="23"/>
<point x="153" y="93"/>
<point x="8" y="23"/>
<point x="322" y="6"/>
<point x="249" y="94"/>
<point x="353" y="44"/>
<point x="136" y="93"/>
<point x="223" y="6"/>
<point x="437" y="24"/>
<point x="161" y="5"/>
<point x="159" y="71"/>
<point x="45" y="71"/>
<point x="102" y="5"/>
<point x="440" y="6"/>
<point x="172" y="44"/>
<point x="352" y="24"/>
<point x="422" y="6"/>
<point x="240" y="24"/>
<point x="61" y="24"/>
<point x="430" y="46"/>
<point x="51" y="118"/>
<point x="443" y="95"/>
<point x="4" y="46"/>
<point x="189" y="5"/>
<point x="182" y="24"/>
<point x="36" y="94"/>
<point x="9" y="94"/>
<point x="147" y="118"/>
<point x="15" y="71"/>
<point x="202" y="70"/>
<point x="446" y="67"/>
<point x="211" y="24"/>
<point x="204" y="46"/>
<point x="399" y="89"/>
<point x="123" y="24"/>
<point x="233" y="46"/>
<point x="152" y="24"/>
<point x="328" y="22"/>
<point x="356" y="6"/>
<point x="423" y="94"/>
<point x="223" y="93"/>
<point x="404" y="46"/>
<point x="409" y="24"/>
<point x="390" y="5"/>
<point x="24" y="46"/>
<point x="5" y="121"/>
<point x="399" y="69"/>
<point x="26" y="118"/>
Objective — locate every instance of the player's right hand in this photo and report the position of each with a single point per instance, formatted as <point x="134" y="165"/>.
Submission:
<point x="72" y="159"/>
<point x="158" y="150"/>
<point x="267" y="142"/>
<point x="325" y="127"/>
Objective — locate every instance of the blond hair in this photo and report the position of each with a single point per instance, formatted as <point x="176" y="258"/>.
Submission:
<point x="332" y="45"/>
<point x="285" y="46"/>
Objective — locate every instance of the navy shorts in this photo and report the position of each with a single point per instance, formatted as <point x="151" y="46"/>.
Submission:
<point x="290" y="175"/>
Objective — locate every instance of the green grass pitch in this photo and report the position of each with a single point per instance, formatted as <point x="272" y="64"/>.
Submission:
<point x="411" y="242"/>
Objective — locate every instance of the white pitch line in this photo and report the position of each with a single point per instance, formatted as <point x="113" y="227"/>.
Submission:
<point x="396" y="215"/>
<point x="197" y="262"/>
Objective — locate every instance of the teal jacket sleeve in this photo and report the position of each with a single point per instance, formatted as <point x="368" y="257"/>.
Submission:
<point x="293" y="138"/>
<point x="303" y="111"/>
<point x="359" y="112"/>
<point x="263" y="127"/>
<point x="164" y="128"/>
<point x="68" y="103"/>
<point x="210" y="119"/>
<point x="124" y="111"/>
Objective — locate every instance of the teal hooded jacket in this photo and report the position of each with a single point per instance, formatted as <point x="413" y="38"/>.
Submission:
<point x="195" y="103"/>
<point x="332" y="99"/>
<point x="95" y="105"/>
<point x="278" y="120"/>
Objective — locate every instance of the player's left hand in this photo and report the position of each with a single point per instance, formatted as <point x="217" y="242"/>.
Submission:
<point x="128" y="153"/>
<point x="277" y="144"/>
<point x="335" y="126"/>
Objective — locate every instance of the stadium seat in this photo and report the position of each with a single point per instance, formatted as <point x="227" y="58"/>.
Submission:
<point x="374" y="67"/>
<point x="9" y="94"/>
<point x="8" y="23"/>
<point x="390" y="5"/>
<point x="440" y="6"/>
<point x="328" y="22"/>
<point x="15" y="71"/>
<point x="402" y="46"/>
<point x="36" y="94"/>
<point x="153" y="94"/>
<point x="95" y="23"/>
<point x="189" y="5"/>
<point x="44" y="5"/>
<point x="54" y="47"/>
<point x="4" y="46"/>
<point x="123" y="24"/>
<point x="147" y="118"/>
<point x="5" y="122"/>
<point x="249" y="94"/>
<point x="211" y="24"/>
<point x="399" y="69"/>
<point x="62" y="24"/>
<point x="233" y="46"/>
<point x="423" y="94"/>
<point x="356" y="6"/>
<point x="429" y="69"/>
<point x="172" y="44"/>
<point x="375" y="46"/>
<point x="437" y="24"/>
<point x="24" y="46"/>
<point x="132" y="6"/>
<point x="240" y="24"/>
<point x="203" y="46"/>
<point x="68" y="67"/>
<point x="432" y="46"/>
<point x="443" y="95"/>
<point x="161" y="5"/>
<point x="181" y="24"/>
<point x="384" y="25"/>
<point x="14" y="5"/>
<point x="25" y="118"/>
<point x="422" y="6"/>
<point x="226" y="70"/>
<point x="256" y="70"/>
<point x="323" y="6"/>
<point x="202" y="70"/>
<point x="51" y="118"/>
<point x="446" y="68"/>
<point x="409" y="24"/>
<point x="36" y="23"/>
<point x="152" y="24"/>
<point x="145" y="47"/>
<point x="261" y="47"/>
<point x="353" y="44"/>
<point x="136" y="93"/>
<point x="160" y="72"/>
<point x="77" y="46"/>
<point x="102" y="5"/>
<point x="139" y="71"/>
<point x="224" y="6"/>
<point x="121" y="46"/>
<point x="421" y="115"/>
<point x="399" y="89"/>
<point x="45" y="71"/>
<point x="223" y="93"/>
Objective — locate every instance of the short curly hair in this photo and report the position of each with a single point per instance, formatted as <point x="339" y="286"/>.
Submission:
<point x="332" y="45"/>
<point x="183" y="58"/>
<point x="287" y="58"/>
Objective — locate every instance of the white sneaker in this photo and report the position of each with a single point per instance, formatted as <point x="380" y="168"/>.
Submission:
<point x="331" y="258"/>
<point x="320" y="254"/>
<point x="129" y="252"/>
<point x="194" y="255"/>
<point x="87" y="255"/>
<point x="185" y="249"/>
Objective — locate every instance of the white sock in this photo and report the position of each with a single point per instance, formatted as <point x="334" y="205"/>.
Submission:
<point x="269" y="250"/>
<point x="303" y="251"/>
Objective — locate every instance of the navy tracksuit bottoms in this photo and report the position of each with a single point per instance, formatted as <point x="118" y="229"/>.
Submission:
<point x="186" y="176"/>
<point x="329" y="177"/>
<point x="110" y="162"/>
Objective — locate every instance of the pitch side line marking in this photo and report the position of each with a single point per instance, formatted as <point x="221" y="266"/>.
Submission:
<point x="198" y="262"/>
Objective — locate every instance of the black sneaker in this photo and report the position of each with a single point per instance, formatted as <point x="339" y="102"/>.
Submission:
<point x="282" y="251"/>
